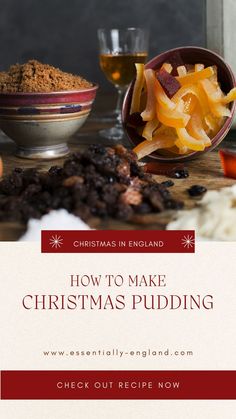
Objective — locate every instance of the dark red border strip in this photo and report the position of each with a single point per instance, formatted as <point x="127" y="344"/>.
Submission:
<point x="49" y="385"/>
<point x="118" y="241"/>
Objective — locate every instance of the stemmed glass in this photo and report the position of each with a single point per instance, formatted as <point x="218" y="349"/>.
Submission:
<point x="119" y="50"/>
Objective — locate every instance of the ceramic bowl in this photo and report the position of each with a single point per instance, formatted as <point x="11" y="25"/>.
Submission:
<point x="42" y="123"/>
<point x="189" y="55"/>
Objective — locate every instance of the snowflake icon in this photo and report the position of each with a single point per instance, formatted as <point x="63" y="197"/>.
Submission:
<point x="56" y="241"/>
<point x="188" y="241"/>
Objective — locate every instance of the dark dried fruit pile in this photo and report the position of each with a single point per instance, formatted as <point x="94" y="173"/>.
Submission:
<point x="99" y="182"/>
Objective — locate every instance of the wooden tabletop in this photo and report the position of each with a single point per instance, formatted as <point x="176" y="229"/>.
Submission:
<point x="205" y="171"/>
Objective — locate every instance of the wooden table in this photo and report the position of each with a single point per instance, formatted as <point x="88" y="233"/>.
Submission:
<point x="204" y="171"/>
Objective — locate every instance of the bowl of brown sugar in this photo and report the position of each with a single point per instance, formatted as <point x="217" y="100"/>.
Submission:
<point x="41" y="107"/>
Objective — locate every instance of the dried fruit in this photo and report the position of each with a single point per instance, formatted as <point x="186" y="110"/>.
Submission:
<point x="149" y="129"/>
<point x="196" y="129"/>
<point x="185" y="139"/>
<point x="192" y="78"/>
<point x="147" y="147"/>
<point x="168" y="183"/>
<point x="181" y="70"/>
<point x="168" y="67"/>
<point x="169" y="83"/>
<point x="101" y="182"/>
<point x="174" y="119"/>
<point x="197" y="190"/>
<point x="162" y="97"/>
<point x="149" y="112"/>
<point x="215" y="95"/>
<point x="230" y="96"/>
<point x="180" y="173"/>
<point x="72" y="181"/>
<point x="138" y="85"/>
<point x="131" y="196"/>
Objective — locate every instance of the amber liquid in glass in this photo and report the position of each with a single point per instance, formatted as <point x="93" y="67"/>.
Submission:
<point x="120" y="68"/>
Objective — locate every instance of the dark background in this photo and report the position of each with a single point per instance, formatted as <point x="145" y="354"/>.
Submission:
<point x="63" y="32"/>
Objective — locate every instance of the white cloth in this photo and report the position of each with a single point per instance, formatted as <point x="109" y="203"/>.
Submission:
<point x="55" y="220"/>
<point x="214" y="218"/>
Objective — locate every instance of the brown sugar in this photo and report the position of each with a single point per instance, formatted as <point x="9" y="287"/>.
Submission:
<point x="34" y="76"/>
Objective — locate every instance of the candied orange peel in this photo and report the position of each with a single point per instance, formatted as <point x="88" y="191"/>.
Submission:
<point x="138" y="86"/>
<point x="181" y="113"/>
<point x="191" y="78"/>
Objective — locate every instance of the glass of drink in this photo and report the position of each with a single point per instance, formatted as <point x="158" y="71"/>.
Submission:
<point x="120" y="49"/>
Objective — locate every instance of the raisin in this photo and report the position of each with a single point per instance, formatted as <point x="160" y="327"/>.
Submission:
<point x="55" y="170"/>
<point x="156" y="201"/>
<point x="181" y="173"/>
<point x="72" y="181"/>
<point x="168" y="183"/>
<point x="123" y="212"/>
<point x="196" y="190"/>
<point x="136" y="170"/>
<point x="143" y="208"/>
<point x="173" y="204"/>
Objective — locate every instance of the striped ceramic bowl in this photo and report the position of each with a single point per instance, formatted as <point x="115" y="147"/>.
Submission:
<point x="41" y="123"/>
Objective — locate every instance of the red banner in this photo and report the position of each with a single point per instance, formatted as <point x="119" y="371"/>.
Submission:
<point x="51" y="385"/>
<point x="118" y="241"/>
